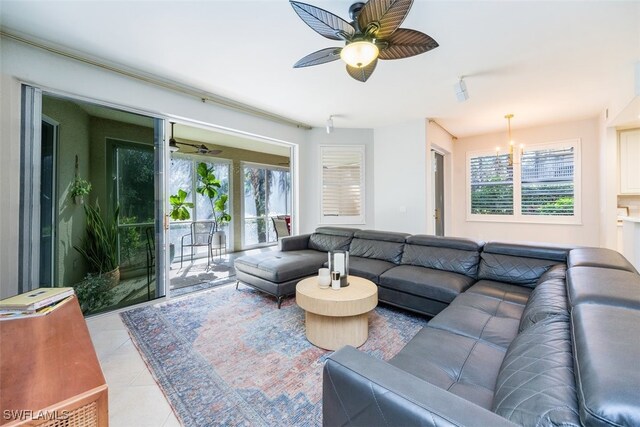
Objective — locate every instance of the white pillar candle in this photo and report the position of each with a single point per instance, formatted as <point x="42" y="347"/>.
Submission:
<point x="338" y="259"/>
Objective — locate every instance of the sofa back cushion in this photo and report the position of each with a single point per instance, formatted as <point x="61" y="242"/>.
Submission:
<point x="443" y="253"/>
<point x="607" y="286"/>
<point x="331" y="239"/>
<point x="536" y="384"/>
<point x="385" y="246"/>
<point x="518" y="264"/>
<point x="548" y="299"/>
<point x="599" y="257"/>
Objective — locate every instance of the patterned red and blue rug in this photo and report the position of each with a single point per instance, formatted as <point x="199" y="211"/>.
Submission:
<point x="230" y="357"/>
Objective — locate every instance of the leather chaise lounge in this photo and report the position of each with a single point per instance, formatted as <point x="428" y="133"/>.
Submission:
<point x="527" y="335"/>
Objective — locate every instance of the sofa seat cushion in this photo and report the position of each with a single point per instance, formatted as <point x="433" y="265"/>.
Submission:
<point x="606" y="349"/>
<point x="536" y="385"/>
<point x="603" y="286"/>
<point x="490" y="320"/>
<point x="368" y="268"/>
<point x="426" y="282"/>
<point x="502" y="291"/>
<point x="280" y="267"/>
<point x="462" y="365"/>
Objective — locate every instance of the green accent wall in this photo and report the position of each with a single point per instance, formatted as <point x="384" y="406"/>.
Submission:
<point x="73" y="139"/>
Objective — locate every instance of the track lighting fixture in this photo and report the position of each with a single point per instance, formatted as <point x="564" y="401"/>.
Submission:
<point x="329" y="125"/>
<point x="461" y="90"/>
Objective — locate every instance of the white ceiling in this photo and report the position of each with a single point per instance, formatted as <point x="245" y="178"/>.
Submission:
<point x="544" y="62"/>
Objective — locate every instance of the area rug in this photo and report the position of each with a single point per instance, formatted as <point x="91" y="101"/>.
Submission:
<point x="230" y="357"/>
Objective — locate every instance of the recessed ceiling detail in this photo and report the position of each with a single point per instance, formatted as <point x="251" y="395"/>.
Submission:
<point x="373" y="34"/>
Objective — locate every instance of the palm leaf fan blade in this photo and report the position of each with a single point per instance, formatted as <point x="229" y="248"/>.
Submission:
<point x="321" y="56"/>
<point x="362" y="74"/>
<point x="322" y="22"/>
<point x="385" y="16"/>
<point x="405" y="43"/>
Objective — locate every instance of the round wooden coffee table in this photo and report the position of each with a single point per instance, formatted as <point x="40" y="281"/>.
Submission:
<point x="335" y="318"/>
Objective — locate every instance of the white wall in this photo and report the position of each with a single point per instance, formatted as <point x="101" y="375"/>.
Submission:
<point x="400" y="182"/>
<point x="608" y="139"/>
<point x="22" y="63"/>
<point x="310" y="174"/>
<point x="588" y="233"/>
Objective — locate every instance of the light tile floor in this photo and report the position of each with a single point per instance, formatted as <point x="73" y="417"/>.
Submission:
<point x="135" y="399"/>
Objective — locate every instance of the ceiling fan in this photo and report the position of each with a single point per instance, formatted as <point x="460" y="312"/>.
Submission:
<point x="374" y="33"/>
<point x="200" y="149"/>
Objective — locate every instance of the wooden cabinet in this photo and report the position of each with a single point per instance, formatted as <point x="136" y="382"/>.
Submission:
<point x="629" y="155"/>
<point x="49" y="371"/>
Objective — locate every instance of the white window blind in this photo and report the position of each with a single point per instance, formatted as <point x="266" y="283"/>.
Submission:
<point x="491" y="185"/>
<point x="541" y="185"/>
<point x="548" y="181"/>
<point x="342" y="184"/>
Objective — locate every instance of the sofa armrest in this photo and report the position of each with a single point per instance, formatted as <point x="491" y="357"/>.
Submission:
<point x="361" y="390"/>
<point x="294" y="243"/>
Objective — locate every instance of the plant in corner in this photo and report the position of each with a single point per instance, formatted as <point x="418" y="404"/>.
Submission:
<point x="93" y="293"/>
<point x="99" y="247"/>
<point x="209" y="186"/>
<point x="79" y="188"/>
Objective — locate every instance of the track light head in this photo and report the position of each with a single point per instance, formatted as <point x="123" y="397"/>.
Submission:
<point x="461" y="90"/>
<point x="329" y="125"/>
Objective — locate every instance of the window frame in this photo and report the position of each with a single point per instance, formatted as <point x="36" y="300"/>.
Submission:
<point x="518" y="217"/>
<point x="195" y="159"/>
<point x="359" y="219"/>
<point x="265" y="166"/>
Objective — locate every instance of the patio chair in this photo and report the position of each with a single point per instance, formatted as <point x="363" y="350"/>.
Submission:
<point x="280" y="225"/>
<point x="201" y="235"/>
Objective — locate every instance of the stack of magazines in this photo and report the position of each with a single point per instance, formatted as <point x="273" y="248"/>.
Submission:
<point x="38" y="302"/>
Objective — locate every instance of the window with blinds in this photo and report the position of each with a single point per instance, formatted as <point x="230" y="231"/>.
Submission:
<point x="342" y="184"/>
<point x="541" y="185"/>
<point x="547" y="182"/>
<point x="491" y="185"/>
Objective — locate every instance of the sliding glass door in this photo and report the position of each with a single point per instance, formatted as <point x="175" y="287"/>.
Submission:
<point x="92" y="201"/>
<point x="47" y="200"/>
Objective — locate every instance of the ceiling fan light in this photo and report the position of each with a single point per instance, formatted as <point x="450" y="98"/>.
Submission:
<point x="173" y="147"/>
<point x="359" y="54"/>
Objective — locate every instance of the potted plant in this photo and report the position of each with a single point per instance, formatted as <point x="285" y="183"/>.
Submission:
<point x="93" y="293"/>
<point x="79" y="188"/>
<point x="209" y="186"/>
<point x="179" y="212"/>
<point x="99" y="246"/>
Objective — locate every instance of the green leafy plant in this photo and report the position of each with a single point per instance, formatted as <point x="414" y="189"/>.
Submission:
<point x="208" y="186"/>
<point x="131" y="242"/>
<point x="99" y="246"/>
<point x="180" y="211"/>
<point x="80" y="187"/>
<point x="94" y="293"/>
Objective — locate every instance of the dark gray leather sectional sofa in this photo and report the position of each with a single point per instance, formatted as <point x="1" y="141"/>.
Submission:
<point x="522" y="334"/>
